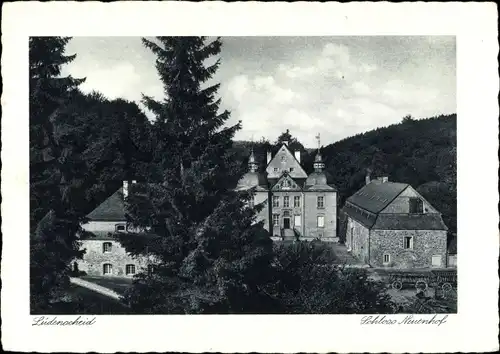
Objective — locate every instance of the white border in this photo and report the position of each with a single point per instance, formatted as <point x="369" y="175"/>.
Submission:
<point x="475" y="328"/>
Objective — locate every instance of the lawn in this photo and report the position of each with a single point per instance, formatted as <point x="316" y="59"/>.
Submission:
<point x="84" y="301"/>
<point x="116" y="284"/>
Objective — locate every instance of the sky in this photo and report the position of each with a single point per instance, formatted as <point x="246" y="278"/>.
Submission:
<point x="335" y="86"/>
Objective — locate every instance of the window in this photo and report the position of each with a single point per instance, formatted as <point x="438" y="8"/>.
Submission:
<point x="151" y="269"/>
<point x="106" y="247"/>
<point x="286" y="201"/>
<point x="107" y="269"/>
<point x="297" y="220"/>
<point x="291" y="169"/>
<point x="276" y="169"/>
<point x="283" y="158"/>
<point x="296" y="201"/>
<point x="416" y="206"/>
<point x="130" y="269"/>
<point x="436" y="261"/>
<point x="408" y="242"/>
<point x="276" y="201"/>
<point x="286" y="183"/>
<point x="276" y="219"/>
<point x="387" y="258"/>
<point x="321" y="202"/>
<point x="321" y="221"/>
<point x="120" y="228"/>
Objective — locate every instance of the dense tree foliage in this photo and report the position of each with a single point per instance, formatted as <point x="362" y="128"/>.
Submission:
<point x="308" y="282"/>
<point x="419" y="152"/>
<point x="211" y="255"/>
<point x="53" y="223"/>
<point x="81" y="147"/>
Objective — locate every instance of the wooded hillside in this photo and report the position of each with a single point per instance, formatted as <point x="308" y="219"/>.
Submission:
<point x="421" y="152"/>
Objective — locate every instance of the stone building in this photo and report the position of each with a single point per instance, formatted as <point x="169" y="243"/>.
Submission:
<point x="104" y="255"/>
<point x="296" y="205"/>
<point x="391" y="225"/>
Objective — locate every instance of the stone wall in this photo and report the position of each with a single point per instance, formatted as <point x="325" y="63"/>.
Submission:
<point x="426" y="244"/>
<point x="94" y="259"/>
<point x="357" y="239"/>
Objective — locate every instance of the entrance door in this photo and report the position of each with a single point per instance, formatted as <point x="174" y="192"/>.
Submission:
<point x="286" y="223"/>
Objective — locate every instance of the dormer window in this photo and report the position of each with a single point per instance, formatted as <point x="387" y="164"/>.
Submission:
<point x="291" y="169"/>
<point x="416" y="206"/>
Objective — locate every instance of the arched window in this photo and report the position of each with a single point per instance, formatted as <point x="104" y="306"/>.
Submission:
<point x="129" y="269"/>
<point x="107" y="269"/>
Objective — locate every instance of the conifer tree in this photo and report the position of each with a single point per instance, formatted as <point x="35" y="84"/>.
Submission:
<point x="53" y="225"/>
<point x="211" y="255"/>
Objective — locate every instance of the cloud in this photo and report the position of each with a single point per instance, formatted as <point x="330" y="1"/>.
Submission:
<point x="238" y="86"/>
<point x="118" y="81"/>
<point x="338" y="86"/>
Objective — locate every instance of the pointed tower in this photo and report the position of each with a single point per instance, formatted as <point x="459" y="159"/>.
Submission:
<point x="252" y="164"/>
<point x="318" y="160"/>
<point x="319" y="165"/>
<point x="253" y="177"/>
<point x="319" y="177"/>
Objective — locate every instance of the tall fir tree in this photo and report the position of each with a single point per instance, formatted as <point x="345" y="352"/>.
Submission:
<point x="211" y="255"/>
<point x="53" y="225"/>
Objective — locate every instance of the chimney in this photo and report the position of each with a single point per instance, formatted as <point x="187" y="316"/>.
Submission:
<point x="125" y="189"/>
<point x="297" y="155"/>
<point x="367" y="178"/>
<point x="268" y="157"/>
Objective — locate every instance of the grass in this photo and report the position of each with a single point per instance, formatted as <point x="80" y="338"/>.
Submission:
<point x="116" y="284"/>
<point x="84" y="301"/>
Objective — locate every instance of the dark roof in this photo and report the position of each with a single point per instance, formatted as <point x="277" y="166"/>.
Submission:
<point x="316" y="180"/>
<point x="252" y="179"/>
<point x="365" y="218"/>
<point x="375" y="196"/>
<point x="112" y="209"/>
<point x="383" y="221"/>
<point x="409" y="222"/>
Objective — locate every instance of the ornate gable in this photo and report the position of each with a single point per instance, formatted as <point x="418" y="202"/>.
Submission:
<point x="285" y="183"/>
<point x="284" y="161"/>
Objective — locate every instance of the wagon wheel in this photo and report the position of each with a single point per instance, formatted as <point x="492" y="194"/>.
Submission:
<point x="421" y="285"/>
<point x="447" y="287"/>
<point x="397" y="285"/>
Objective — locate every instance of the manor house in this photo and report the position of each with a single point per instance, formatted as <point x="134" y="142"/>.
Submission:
<point x="296" y="205"/>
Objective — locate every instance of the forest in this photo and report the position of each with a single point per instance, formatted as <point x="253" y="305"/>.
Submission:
<point x="212" y="254"/>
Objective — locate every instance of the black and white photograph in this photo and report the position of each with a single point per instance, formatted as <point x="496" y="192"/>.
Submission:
<point x="243" y="175"/>
<point x="248" y="176"/>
